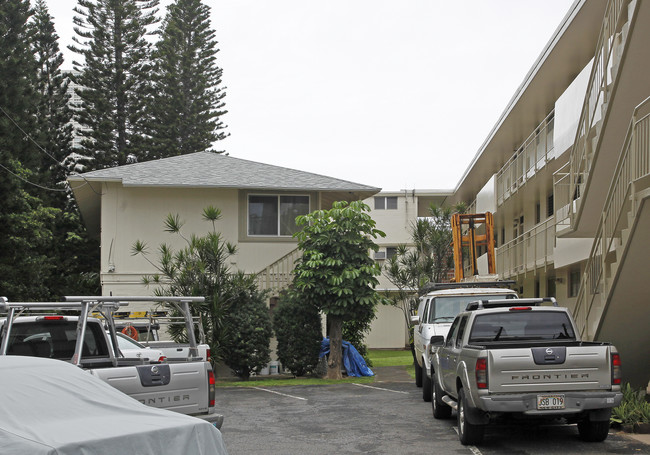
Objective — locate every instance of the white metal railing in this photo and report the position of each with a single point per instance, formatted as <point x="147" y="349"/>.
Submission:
<point x="529" y="251"/>
<point x="634" y="163"/>
<point x="529" y="158"/>
<point x="611" y="41"/>
<point x="279" y="275"/>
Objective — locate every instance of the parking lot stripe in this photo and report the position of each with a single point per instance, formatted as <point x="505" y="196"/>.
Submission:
<point x="380" y="388"/>
<point x="278" y="393"/>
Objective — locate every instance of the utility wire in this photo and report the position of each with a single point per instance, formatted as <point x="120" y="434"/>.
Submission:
<point x="47" y="153"/>
<point x="32" y="183"/>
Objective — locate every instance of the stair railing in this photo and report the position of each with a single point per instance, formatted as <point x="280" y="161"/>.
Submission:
<point x="587" y="134"/>
<point x="633" y="163"/>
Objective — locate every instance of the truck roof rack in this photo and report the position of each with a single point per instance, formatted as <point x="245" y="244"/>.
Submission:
<point x="506" y="303"/>
<point x="467" y="284"/>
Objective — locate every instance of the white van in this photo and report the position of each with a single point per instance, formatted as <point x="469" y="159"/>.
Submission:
<point x="438" y="309"/>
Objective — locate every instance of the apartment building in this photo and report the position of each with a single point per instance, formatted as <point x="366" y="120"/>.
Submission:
<point x="566" y="173"/>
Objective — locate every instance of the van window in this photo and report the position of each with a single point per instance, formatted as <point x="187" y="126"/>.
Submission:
<point x="445" y="308"/>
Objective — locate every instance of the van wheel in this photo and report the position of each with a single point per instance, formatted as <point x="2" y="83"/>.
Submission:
<point x="441" y="410"/>
<point x="468" y="434"/>
<point x="426" y="385"/>
<point x="593" y="431"/>
<point x="418" y="374"/>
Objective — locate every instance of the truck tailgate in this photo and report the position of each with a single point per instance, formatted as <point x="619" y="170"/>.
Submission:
<point x="180" y="387"/>
<point x="552" y="368"/>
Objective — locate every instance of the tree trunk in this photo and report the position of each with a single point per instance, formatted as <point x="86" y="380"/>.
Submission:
<point x="334" y="361"/>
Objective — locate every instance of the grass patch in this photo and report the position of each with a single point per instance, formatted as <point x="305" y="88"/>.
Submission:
<point x="379" y="358"/>
<point x="390" y="357"/>
<point x="258" y="382"/>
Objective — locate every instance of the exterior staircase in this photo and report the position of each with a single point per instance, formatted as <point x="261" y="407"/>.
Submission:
<point x="278" y="275"/>
<point x="611" y="304"/>
<point x="571" y="180"/>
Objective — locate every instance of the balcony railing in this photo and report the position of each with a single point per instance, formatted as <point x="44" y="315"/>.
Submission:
<point x="603" y="73"/>
<point x="529" y="158"/>
<point x="633" y="164"/>
<point x="531" y="250"/>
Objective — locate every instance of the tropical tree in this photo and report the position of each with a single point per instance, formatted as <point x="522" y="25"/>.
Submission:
<point x="54" y="113"/>
<point x="113" y="78"/>
<point x="234" y="316"/>
<point x="24" y="221"/>
<point x="427" y="261"/>
<point x="336" y="271"/>
<point x="187" y="103"/>
<point x="73" y="255"/>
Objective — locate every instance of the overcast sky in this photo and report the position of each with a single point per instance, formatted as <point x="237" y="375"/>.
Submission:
<point x="397" y="94"/>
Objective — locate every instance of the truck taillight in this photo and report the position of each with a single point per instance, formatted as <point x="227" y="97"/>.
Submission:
<point x="617" y="374"/>
<point x="207" y="354"/>
<point x="481" y="373"/>
<point x="51" y="318"/>
<point x="520" y="308"/>
<point x="162" y="358"/>
<point x="211" y="387"/>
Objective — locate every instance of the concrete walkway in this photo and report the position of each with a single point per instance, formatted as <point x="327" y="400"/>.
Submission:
<point x="644" y="438"/>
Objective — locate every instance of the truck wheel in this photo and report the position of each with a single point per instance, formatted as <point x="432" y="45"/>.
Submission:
<point x="426" y="385"/>
<point x="441" y="410"/>
<point x="468" y="434"/>
<point x="418" y="374"/>
<point x="593" y="431"/>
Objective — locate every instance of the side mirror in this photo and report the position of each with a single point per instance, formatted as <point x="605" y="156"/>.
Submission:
<point x="414" y="320"/>
<point x="437" y="340"/>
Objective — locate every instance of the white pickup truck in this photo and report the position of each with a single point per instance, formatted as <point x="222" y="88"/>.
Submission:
<point x="437" y="310"/>
<point x="187" y="387"/>
<point x="520" y="359"/>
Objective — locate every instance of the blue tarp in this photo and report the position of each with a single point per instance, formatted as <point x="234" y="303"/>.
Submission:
<point x="352" y="360"/>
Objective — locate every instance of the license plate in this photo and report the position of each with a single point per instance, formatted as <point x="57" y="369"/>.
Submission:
<point x="550" y="402"/>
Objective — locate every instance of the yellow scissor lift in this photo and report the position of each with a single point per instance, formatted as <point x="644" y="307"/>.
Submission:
<point x="465" y="238"/>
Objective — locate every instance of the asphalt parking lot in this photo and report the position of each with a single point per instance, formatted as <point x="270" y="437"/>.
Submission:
<point x="379" y="418"/>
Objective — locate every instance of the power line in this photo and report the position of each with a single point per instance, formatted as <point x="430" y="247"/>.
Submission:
<point x="34" y="184"/>
<point x="47" y="153"/>
<point x="30" y="138"/>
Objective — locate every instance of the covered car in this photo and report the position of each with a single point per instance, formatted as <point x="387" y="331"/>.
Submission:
<point x="53" y="407"/>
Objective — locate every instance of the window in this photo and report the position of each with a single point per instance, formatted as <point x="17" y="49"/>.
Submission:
<point x="549" y="206"/>
<point x="452" y="333"/>
<point x="386" y="203"/>
<point x="390" y="251"/>
<point x="425" y="312"/>
<point x="521" y="325"/>
<point x="461" y="332"/>
<point x="538" y="213"/>
<point x="275" y="215"/>
<point x="574" y="282"/>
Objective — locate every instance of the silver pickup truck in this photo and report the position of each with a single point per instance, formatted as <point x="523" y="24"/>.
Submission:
<point x="187" y="387"/>
<point x="522" y="359"/>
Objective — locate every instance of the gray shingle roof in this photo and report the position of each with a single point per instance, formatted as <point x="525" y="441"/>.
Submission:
<point x="208" y="169"/>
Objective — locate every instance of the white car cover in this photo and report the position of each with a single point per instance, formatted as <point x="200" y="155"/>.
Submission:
<point x="55" y="408"/>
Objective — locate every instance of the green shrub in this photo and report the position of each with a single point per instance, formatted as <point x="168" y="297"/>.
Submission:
<point x="297" y="326"/>
<point x="633" y="409"/>
<point x="247" y="349"/>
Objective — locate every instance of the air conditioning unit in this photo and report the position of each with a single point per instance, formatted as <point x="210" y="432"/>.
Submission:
<point x="380" y="255"/>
